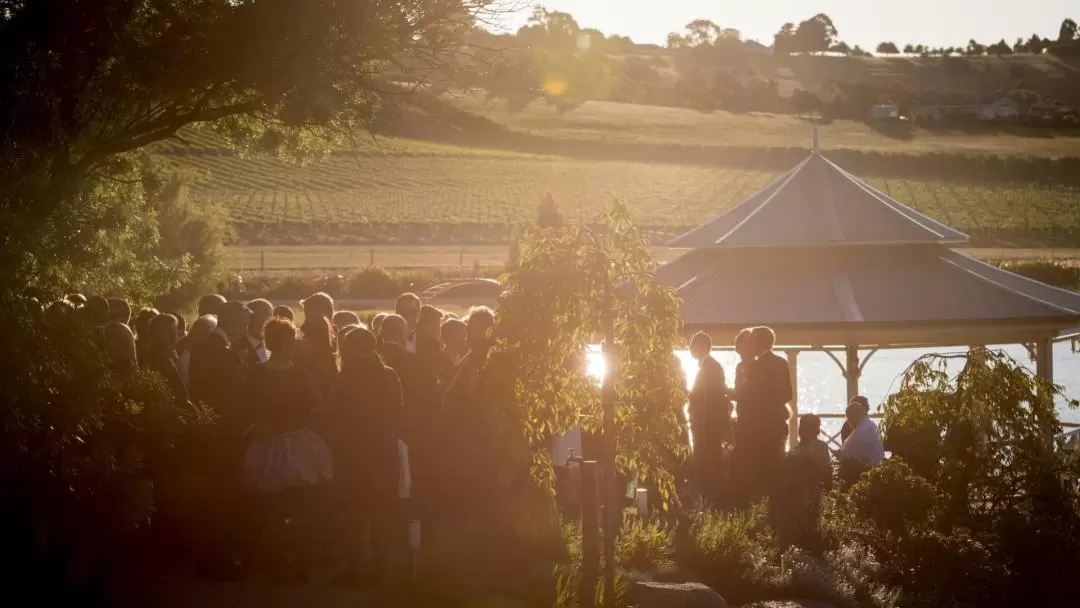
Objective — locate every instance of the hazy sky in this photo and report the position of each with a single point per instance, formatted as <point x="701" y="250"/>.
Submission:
<point x="862" y="22"/>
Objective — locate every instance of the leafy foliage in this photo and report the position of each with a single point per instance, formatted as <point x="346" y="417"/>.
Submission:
<point x="642" y="546"/>
<point x="79" y="446"/>
<point x="571" y="286"/>
<point x="978" y="475"/>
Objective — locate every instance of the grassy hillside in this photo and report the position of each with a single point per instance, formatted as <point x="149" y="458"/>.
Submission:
<point x="619" y="123"/>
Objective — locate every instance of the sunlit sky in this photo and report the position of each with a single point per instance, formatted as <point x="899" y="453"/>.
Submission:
<point x="862" y="22"/>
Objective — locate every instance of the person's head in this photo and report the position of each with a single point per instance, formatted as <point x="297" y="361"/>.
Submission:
<point x="345" y="331"/>
<point x="181" y="325"/>
<point x="96" y="310"/>
<point x="762" y="340"/>
<point x="211" y="304"/>
<point x="809" y="427"/>
<point x="408" y="307"/>
<point x="77" y="300"/>
<point x="119" y="310"/>
<point x="120" y="346"/>
<point x="200" y="328"/>
<point x="163" y="334"/>
<point x="279" y="335"/>
<point x="58" y="312"/>
<point x="453" y="337"/>
<point x="700" y="345"/>
<point x="376" y="324"/>
<point x="343" y="318"/>
<point x="261" y="311"/>
<point x="395" y="330"/>
<point x="283" y="311"/>
<point x="742" y="343"/>
<point x="142" y="322"/>
<point x="317" y="305"/>
<point x="478" y="326"/>
<point x="430" y="321"/>
<point x="233" y="319"/>
<point x="319" y="334"/>
<point x="358" y="348"/>
<point x="857" y="409"/>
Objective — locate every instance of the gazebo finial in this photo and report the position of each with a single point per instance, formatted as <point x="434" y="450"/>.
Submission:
<point x="816" y="140"/>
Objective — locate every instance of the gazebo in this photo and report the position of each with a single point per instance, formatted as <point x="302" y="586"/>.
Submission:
<point x="834" y="265"/>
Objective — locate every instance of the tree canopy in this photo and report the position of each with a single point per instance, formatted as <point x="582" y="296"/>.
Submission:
<point x="889" y="48"/>
<point x="85" y="83"/>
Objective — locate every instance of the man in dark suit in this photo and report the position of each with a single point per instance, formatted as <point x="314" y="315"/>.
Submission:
<point x="763" y="414"/>
<point x="710" y="420"/>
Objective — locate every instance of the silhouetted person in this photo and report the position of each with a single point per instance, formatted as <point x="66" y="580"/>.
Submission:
<point x="216" y="368"/>
<point x="200" y="329"/>
<point x="283" y="311"/>
<point x="119" y="311"/>
<point x="96" y="312"/>
<point x="120" y="348"/>
<point x="317" y="305"/>
<point x="742" y="349"/>
<point x="808" y="476"/>
<point x="368" y="420"/>
<point x="407" y="307"/>
<point x="285" y="462"/>
<point x="254" y="347"/>
<point x="142" y="329"/>
<point x="710" y="420"/>
<point x="429" y="348"/>
<point x="161" y="355"/>
<point x="452" y="336"/>
<point x="376" y="325"/>
<point x="211" y="304"/>
<point x="762" y="425"/>
<point x="343" y="318"/>
<point x="318" y="356"/>
<point x="78" y="300"/>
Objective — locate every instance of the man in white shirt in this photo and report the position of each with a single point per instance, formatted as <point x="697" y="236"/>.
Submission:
<point x="863" y="448"/>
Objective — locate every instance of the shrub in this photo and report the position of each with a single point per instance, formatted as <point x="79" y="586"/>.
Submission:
<point x="733" y="553"/>
<point x="846" y="577"/>
<point x="642" y="546"/>
<point x="78" y="446"/>
<point x="373" y="282"/>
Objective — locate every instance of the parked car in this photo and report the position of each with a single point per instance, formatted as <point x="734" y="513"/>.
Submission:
<point x="469" y="289"/>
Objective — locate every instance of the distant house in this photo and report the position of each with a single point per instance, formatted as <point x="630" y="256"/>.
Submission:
<point x="885" y="111"/>
<point x="756" y="48"/>
<point x="1002" y="108"/>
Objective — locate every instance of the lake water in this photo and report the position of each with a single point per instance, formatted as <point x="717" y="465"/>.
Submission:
<point x="822" y="389"/>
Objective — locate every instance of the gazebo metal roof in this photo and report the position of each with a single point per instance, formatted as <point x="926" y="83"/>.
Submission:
<point x="818" y="203"/>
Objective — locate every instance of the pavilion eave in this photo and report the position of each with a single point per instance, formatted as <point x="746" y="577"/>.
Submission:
<point x="896" y="335"/>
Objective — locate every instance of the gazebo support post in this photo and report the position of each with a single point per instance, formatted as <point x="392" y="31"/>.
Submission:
<point x="793" y="421"/>
<point x="852" y="371"/>
<point x="1044" y="359"/>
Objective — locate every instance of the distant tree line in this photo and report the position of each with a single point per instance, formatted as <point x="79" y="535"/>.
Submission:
<point x="555" y="59"/>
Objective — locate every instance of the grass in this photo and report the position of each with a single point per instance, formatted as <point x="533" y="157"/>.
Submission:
<point x="621" y="123"/>
<point x="478" y="198"/>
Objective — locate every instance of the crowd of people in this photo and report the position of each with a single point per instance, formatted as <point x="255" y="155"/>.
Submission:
<point x="333" y="430"/>
<point x="347" y="430"/>
<point x="742" y="459"/>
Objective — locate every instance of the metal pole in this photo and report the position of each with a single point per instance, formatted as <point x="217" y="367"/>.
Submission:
<point x="852" y="371"/>
<point x="590" y="528"/>
<point x="793" y="374"/>
<point x="612" y="498"/>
